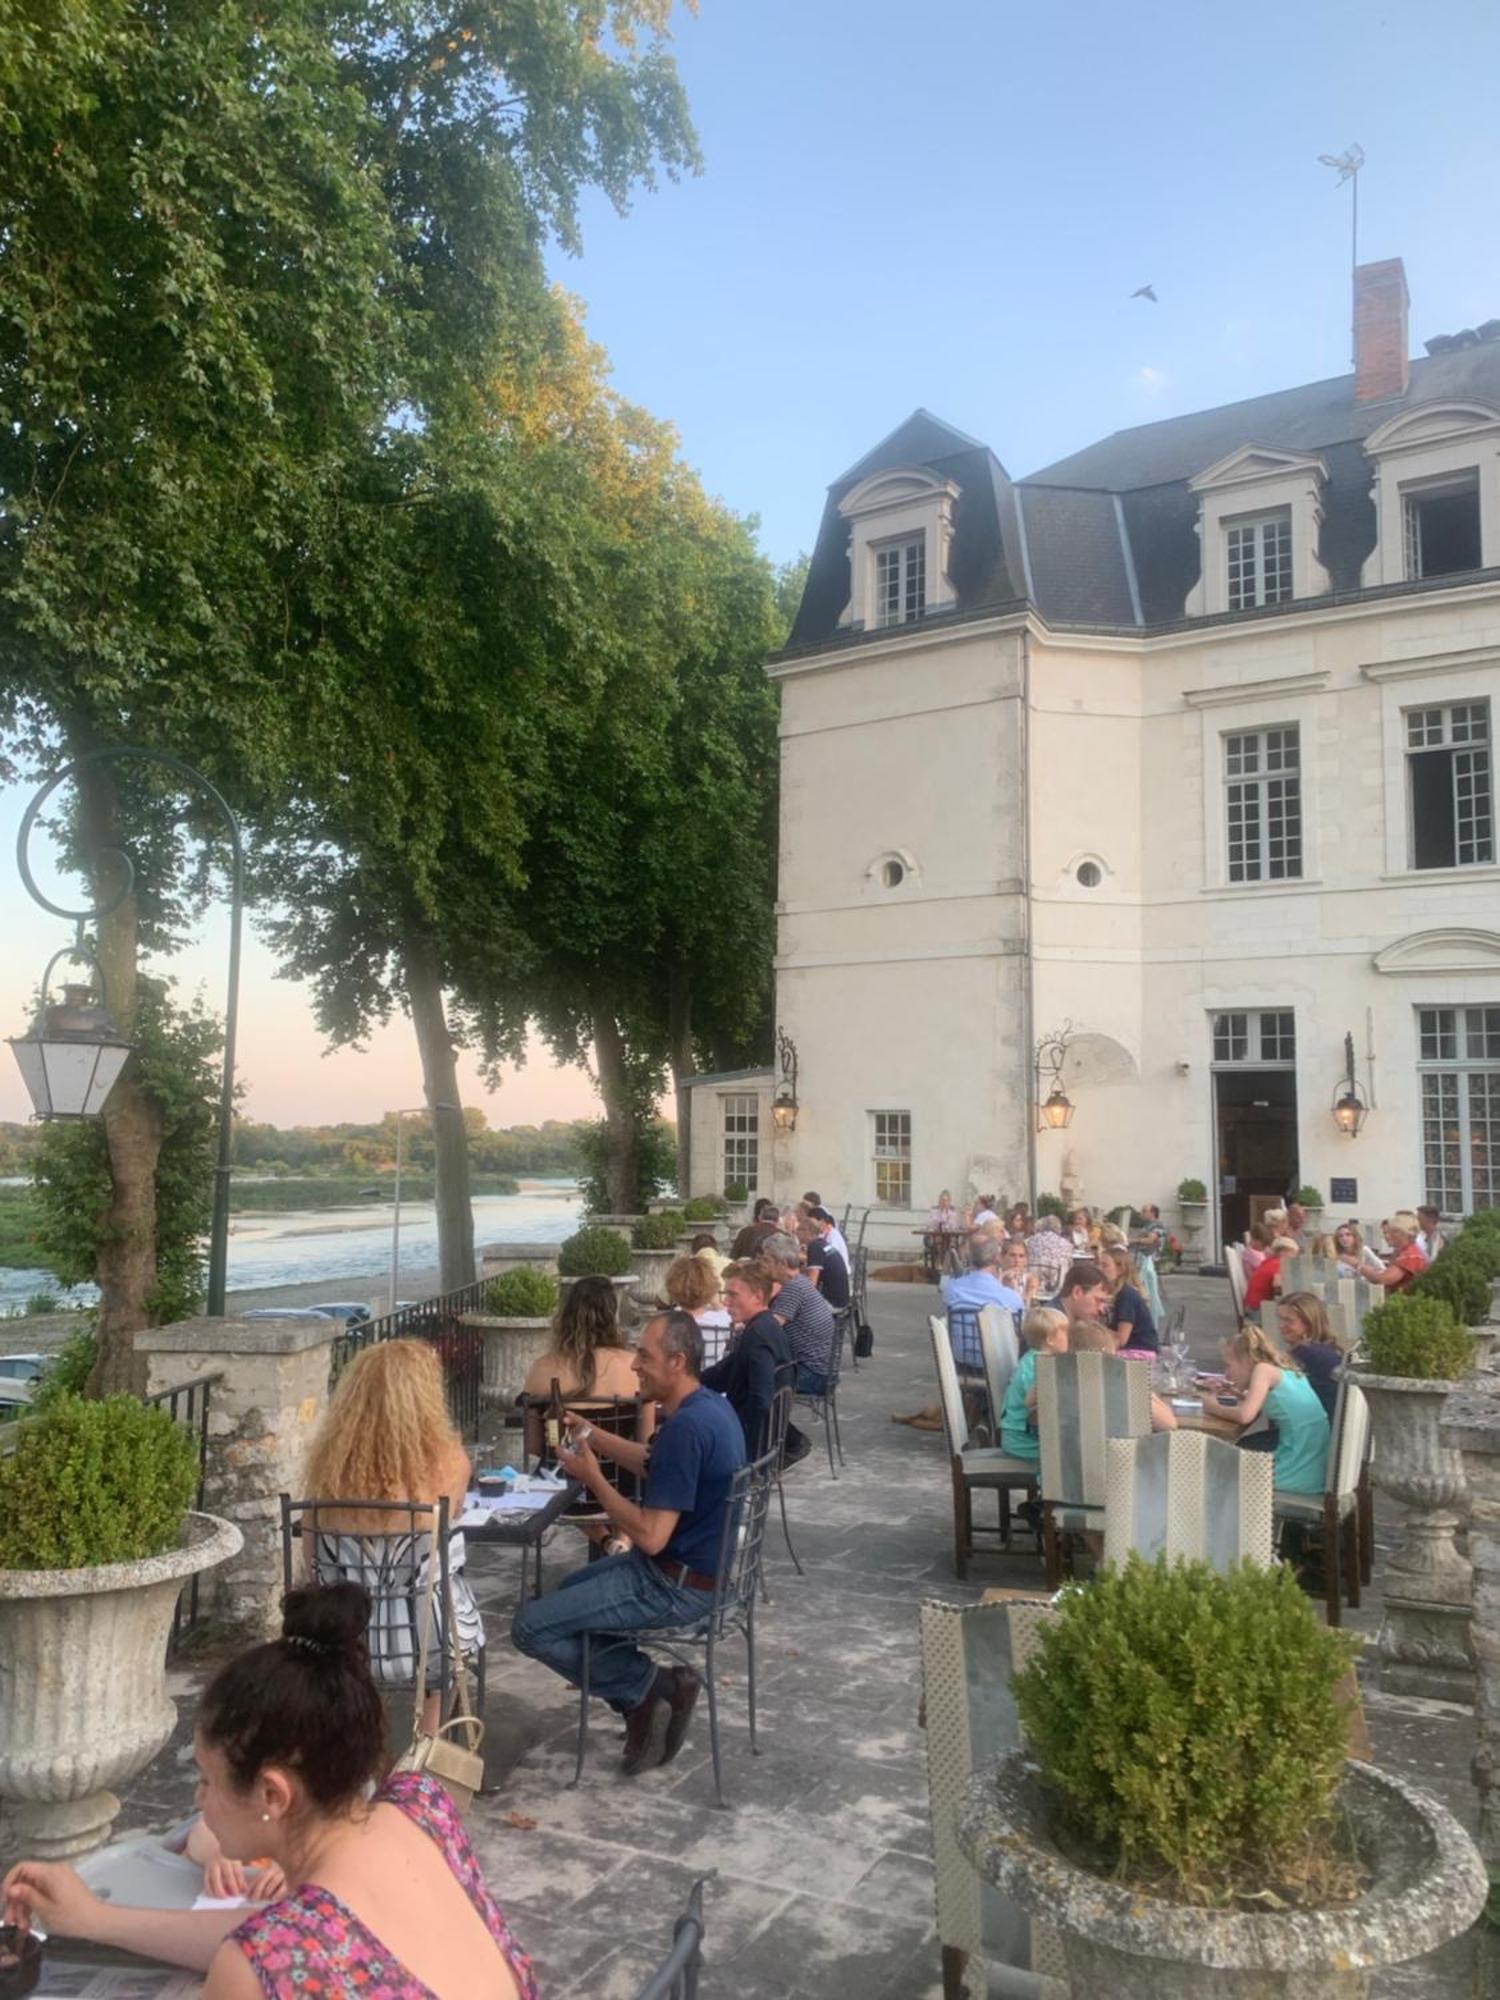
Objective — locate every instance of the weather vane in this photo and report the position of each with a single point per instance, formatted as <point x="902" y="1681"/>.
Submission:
<point x="1347" y="165"/>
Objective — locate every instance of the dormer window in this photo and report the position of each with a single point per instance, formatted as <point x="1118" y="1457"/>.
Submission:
<point x="900" y="538"/>
<point x="1440" y="526"/>
<point x="1259" y="516"/>
<point x="1259" y="555"/>
<point x="901" y="580"/>
<point x="1437" y="493"/>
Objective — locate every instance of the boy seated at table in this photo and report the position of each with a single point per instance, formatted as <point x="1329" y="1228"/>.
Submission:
<point x="1045" y="1331"/>
<point x="1092" y="1336"/>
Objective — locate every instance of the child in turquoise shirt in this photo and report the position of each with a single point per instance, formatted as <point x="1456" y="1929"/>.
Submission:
<point x="1045" y="1331"/>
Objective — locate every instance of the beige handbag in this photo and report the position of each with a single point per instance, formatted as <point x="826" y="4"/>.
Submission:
<point x="457" y="1766"/>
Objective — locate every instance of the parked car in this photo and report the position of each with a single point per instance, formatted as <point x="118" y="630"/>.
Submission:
<point x="24" y="1367"/>
<point x="289" y="1312"/>
<point x="15" y="1398"/>
<point x="347" y="1310"/>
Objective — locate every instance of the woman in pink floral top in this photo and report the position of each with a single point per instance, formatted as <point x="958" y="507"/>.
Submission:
<point x="385" y="1898"/>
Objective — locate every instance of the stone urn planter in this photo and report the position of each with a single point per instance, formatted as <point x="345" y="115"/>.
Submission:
<point x="510" y="1347"/>
<point x="1424" y="1643"/>
<point x="624" y="1223"/>
<point x="1427" y="1884"/>
<point x="83" y="1685"/>
<point x="1484" y="1338"/>
<point x="625" y="1287"/>
<point x="651" y="1268"/>
<point x="1194" y="1216"/>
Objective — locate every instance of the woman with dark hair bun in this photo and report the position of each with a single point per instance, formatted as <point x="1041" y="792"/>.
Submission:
<point x="385" y="1899"/>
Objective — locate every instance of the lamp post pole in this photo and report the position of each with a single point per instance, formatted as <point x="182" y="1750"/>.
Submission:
<point x="218" y="1236"/>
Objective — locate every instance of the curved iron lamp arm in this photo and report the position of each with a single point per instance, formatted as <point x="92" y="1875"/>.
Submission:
<point x="218" y="1238"/>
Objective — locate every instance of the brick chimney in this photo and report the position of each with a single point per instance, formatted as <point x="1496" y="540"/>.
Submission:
<point x="1381" y="368"/>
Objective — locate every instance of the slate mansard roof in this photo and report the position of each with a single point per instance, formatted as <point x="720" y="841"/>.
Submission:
<point x="1107" y="536"/>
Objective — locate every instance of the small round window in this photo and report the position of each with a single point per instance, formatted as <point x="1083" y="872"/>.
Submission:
<point x="893" y="874"/>
<point x="1088" y="875"/>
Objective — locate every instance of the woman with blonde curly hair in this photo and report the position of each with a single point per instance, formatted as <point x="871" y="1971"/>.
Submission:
<point x="693" y="1285"/>
<point x="387" y="1435"/>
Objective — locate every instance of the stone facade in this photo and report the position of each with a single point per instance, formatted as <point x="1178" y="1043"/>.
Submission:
<point x="262" y="1414"/>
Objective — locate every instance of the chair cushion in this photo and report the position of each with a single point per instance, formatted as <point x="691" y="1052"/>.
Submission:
<point x="1307" y="1506"/>
<point x="988" y="1465"/>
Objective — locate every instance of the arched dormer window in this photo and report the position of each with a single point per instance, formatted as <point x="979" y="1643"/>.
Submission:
<point x="901" y="532"/>
<point x="1259" y="516"/>
<point x="1437" y="493"/>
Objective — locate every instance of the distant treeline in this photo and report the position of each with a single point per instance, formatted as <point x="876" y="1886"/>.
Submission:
<point x="345" y="1190"/>
<point x="550" y="1149"/>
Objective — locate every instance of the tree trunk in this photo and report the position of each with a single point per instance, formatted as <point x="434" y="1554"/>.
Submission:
<point x="126" y="1262"/>
<point x="680" y="1032"/>
<point x="620" y="1165"/>
<point x="450" y="1138"/>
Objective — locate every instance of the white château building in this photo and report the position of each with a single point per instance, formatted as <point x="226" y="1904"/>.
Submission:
<point x="1181" y="749"/>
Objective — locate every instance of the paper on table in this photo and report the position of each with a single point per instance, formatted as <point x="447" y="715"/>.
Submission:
<point x="221" y="1902"/>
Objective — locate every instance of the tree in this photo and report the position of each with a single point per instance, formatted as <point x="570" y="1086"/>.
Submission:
<point x="244" y="256"/>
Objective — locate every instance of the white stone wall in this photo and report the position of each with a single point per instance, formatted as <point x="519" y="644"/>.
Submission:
<point x="916" y="997"/>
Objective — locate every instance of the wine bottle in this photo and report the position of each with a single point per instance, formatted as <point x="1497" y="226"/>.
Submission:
<point x="554" y="1420"/>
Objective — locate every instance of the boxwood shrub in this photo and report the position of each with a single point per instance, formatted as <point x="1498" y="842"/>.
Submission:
<point x="594" y="1252"/>
<point x="702" y="1208"/>
<point x="1460" y="1278"/>
<point x="521" y="1294"/>
<point x="1190" y="1724"/>
<point x="95" y="1482"/>
<point x="1418" y="1336"/>
<point x="659" y="1232"/>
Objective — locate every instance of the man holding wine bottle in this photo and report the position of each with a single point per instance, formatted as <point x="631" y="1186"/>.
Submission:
<point x="667" y="1577"/>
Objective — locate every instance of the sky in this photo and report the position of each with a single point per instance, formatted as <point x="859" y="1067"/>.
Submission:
<point x="949" y="206"/>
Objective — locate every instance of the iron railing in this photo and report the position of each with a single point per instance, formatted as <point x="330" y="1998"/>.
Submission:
<point x="187" y="1403"/>
<point x="438" y="1321"/>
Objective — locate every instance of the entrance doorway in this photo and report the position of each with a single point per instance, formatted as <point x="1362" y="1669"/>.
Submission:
<point x="1255" y="1117"/>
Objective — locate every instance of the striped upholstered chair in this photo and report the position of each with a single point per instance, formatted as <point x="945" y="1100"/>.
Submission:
<point x="1183" y="1493"/>
<point x="969" y="1652"/>
<point x="1083" y="1400"/>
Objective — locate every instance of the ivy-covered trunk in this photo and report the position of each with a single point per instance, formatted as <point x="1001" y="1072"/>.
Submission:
<point x="450" y="1138"/>
<point x="680" y="1032"/>
<point x="125" y="1267"/>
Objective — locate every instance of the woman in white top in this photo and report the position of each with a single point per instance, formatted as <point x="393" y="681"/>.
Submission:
<point x="1356" y="1257"/>
<point x="693" y="1286"/>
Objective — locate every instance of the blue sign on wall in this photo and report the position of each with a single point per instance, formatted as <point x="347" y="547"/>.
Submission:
<point x="1343" y="1193"/>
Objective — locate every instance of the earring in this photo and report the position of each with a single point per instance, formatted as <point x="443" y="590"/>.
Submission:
<point x="265" y="1819"/>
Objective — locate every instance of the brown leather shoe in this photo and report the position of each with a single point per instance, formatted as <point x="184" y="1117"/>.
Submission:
<point x="645" y="1733"/>
<point x="686" y="1688"/>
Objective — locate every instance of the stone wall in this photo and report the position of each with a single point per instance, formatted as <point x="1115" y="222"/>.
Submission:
<point x="261" y="1418"/>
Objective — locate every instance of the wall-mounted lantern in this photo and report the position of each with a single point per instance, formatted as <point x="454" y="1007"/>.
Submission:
<point x="1055" y="1109"/>
<point x="1350" y="1105"/>
<point x="784" y="1104"/>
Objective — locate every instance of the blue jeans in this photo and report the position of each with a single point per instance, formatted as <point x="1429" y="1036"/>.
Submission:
<point x="810" y="1382"/>
<point x="621" y="1594"/>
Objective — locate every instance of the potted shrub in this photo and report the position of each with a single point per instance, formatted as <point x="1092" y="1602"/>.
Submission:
<point x="1192" y="1204"/>
<point x="516" y="1325"/>
<point x="1310" y="1198"/>
<point x="703" y="1208"/>
<point x="1185" y="1815"/>
<point x="1413" y="1353"/>
<point x="654" y="1249"/>
<point x="96" y="1541"/>
<point x="593" y="1252"/>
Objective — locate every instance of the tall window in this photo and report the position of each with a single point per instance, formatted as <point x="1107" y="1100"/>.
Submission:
<point x="901" y="580"/>
<point x="1440" y="526"/>
<point x="741" y="1139"/>
<point x="1450" y="784"/>
<point x="1263" y="797"/>
<point x="893" y="1159"/>
<point x="1259" y="1039"/>
<point x="1259" y="553"/>
<point x="1458" y="1053"/>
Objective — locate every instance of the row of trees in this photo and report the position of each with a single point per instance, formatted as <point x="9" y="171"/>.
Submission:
<point x="555" y="1148"/>
<point x="307" y="475"/>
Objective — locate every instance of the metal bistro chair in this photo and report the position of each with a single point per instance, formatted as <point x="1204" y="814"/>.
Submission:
<point x="676" y="1978"/>
<point x="391" y="1565"/>
<point x="824" y="1402"/>
<point x="1186" y="1494"/>
<point x="971" y="1467"/>
<point x="772" y="1445"/>
<point x="1081" y="1401"/>
<point x="1337" y="1509"/>
<point x="730" y="1612"/>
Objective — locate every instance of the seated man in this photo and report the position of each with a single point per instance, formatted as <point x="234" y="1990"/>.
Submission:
<point x="803" y="1311"/>
<point x="982" y="1284"/>
<point x="1084" y="1293"/>
<point x="826" y="1267"/>
<point x="752" y="1371"/>
<point x="668" y="1576"/>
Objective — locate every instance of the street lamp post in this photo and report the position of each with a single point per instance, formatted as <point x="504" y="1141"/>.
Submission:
<point x="79" y="1024"/>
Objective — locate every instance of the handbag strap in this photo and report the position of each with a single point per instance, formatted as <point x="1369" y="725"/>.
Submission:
<point x="419" y="1694"/>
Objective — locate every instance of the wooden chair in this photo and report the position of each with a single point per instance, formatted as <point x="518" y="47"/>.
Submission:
<point x="1234" y="1264"/>
<point x="1082" y="1400"/>
<point x="1184" y="1493"/>
<point x="972" y="1466"/>
<point x="1341" y="1509"/>
<point x="1000" y="1352"/>
<point x="969" y="1653"/>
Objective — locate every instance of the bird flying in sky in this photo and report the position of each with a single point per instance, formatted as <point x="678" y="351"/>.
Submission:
<point x="1146" y="292"/>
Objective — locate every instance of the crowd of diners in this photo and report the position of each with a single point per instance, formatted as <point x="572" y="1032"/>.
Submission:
<point x="1081" y="1283"/>
<point x="361" y="1881"/>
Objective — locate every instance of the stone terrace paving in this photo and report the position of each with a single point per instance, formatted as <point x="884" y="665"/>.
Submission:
<point x="823" y="1886"/>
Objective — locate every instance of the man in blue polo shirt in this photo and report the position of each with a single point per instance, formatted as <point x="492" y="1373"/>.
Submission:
<point x="667" y="1578"/>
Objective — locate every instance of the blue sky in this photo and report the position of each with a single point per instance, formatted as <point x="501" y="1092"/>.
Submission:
<point x="949" y="205"/>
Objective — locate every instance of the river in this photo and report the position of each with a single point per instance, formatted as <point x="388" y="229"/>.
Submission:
<point x="333" y="1246"/>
